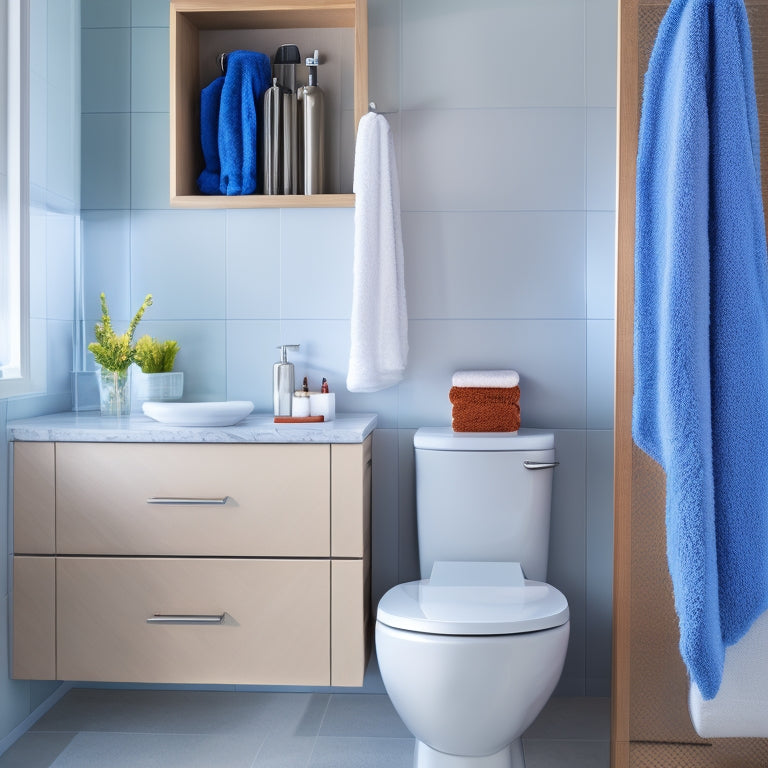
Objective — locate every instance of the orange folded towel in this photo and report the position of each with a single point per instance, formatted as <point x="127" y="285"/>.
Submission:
<point x="485" y="409"/>
<point x="483" y="395"/>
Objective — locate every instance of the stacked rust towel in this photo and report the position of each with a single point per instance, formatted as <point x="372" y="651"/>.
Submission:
<point x="485" y="401"/>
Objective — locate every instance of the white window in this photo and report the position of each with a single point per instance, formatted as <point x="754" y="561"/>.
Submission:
<point x="14" y="198"/>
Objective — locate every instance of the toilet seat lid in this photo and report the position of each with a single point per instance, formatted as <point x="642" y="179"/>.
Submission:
<point x="473" y="610"/>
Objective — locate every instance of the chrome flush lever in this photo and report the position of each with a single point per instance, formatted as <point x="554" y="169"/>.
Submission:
<point x="540" y="464"/>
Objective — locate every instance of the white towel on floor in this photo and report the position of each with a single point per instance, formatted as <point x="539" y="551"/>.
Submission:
<point x="485" y="379"/>
<point x="740" y="708"/>
<point x="379" y="321"/>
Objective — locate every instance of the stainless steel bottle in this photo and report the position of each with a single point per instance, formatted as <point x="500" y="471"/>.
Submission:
<point x="287" y="58"/>
<point x="283" y="382"/>
<point x="313" y="138"/>
<point x="271" y="139"/>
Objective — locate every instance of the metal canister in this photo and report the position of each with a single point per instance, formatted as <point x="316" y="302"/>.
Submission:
<point x="271" y="139"/>
<point x="290" y="145"/>
<point x="287" y="58"/>
<point x="313" y="132"/>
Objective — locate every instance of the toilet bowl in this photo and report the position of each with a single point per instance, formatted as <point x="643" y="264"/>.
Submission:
<point x="470" y="653"/>
<point x="469" y="657"/>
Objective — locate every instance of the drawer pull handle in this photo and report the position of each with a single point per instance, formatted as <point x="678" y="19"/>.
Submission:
<point x="191" y="618"/>
<point x="181" y="501"/>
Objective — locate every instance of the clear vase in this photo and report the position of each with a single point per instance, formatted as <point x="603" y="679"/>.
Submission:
<point x="115" y="393"/>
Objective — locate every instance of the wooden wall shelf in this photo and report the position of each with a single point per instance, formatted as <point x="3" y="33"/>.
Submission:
<point x="200" y="27"/>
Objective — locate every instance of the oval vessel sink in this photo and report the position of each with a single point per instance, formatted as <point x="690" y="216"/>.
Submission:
<point x="199" y="414"/>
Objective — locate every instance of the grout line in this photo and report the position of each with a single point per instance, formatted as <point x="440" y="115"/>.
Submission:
<point x="319" y="728"/>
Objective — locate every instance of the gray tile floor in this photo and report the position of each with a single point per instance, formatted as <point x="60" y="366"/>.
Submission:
<point x="212" y="729"/>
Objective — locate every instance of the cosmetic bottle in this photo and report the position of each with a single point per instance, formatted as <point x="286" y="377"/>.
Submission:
<point x="283" y="381"/>
<point x="323" y="403"/>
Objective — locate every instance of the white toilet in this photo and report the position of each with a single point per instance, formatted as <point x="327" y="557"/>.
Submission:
<point x="471" y="653"/>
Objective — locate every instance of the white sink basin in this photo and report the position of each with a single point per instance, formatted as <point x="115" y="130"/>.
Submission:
<point x="199" y="414"/>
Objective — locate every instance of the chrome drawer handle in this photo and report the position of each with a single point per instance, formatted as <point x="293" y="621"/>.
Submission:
<point x="191" y="618"/>
<point x="540" y="464"/>
<point x="181" y="501"/>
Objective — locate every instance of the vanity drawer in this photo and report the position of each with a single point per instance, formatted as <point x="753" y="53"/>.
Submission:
<point x="275" y="628"/>
<point x="166" y="499"/>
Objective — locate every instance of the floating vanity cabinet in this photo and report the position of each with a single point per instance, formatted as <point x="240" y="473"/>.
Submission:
<point x="192" y="563"/>
<point x="202" y="29"/>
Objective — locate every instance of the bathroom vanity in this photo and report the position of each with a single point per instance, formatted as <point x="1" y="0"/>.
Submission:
<point x="230" y="555"/>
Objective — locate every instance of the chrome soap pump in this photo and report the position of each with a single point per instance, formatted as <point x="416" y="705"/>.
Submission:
<point x="283" y="382"/>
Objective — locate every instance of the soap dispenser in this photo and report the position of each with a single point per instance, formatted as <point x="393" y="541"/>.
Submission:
<point x="283" y="381"/>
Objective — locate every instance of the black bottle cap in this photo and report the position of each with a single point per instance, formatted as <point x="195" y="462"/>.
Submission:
<point x="288" y="54"/>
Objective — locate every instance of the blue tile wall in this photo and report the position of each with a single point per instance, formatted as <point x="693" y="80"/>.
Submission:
<point x="504" y="117"/>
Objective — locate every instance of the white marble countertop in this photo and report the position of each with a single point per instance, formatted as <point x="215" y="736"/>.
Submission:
<point x="90" y="427"/>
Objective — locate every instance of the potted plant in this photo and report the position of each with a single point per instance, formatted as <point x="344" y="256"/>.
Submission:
<point x="158" y="380"/>
<point x="115" y="354"/>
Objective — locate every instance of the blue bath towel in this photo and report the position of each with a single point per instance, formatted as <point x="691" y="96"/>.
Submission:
<point x="248" y="77"/>
<point x="210" y="102"/>
<point x="701" y="323"/>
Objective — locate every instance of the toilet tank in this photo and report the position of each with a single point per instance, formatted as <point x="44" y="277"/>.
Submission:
<point x="477" y="500"/>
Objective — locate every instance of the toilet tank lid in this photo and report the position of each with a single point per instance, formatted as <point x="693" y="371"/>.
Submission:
<point x="445" y="439"/>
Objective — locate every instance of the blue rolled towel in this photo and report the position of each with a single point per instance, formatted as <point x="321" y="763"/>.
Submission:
<point x="248" y="77"/>
<point x="701" y="323"/>
<point x="210" y="101"/>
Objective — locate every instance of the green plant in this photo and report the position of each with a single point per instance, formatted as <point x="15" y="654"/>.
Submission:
<point x="113" y="352"/>
<point x="154" y="356"/>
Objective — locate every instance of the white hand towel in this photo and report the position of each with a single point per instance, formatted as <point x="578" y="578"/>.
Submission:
<point x="379" y="321"/>
<point x="485" y="379"/>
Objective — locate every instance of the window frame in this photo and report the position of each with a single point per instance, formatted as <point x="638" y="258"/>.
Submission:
<point x="17" y="378"/>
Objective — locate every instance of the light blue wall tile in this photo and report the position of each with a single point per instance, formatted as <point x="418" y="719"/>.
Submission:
<point x="60" y="269"/>
<point x="602" y="31"/>
<point x="599" y="561"/>
<point x="600" y="378"/>
<point x="494" y="265"/>
<point x="106" y="70"/>
<point x="253" y="264"/>
<point x="5" y="497"/>
<point x="325" y="353"/>
<point x="567" y="549"/>
<point x="487" y="54"/>
<point x="407" y="535"/>
<point x="60" y="356"/>
<point x="202" y="355"/>
<point x="150" y="13"/>
<point x="384" y="49"/>
<point x="38" y="39"/>
<point x="106" y="13"/>
<point x="601" y="159"/>
<point x="384" y="512"/>
<point x="106" y="161"/>
<point x="316" y="262"/>
<point x="150" y="88"/>
<point x="62" y="156"/>
<point x="251" y="354"/>
<point x="38" y="345"/>
<point x="601" y="264"/>
<point x="550" y="356"/>
<point x="178" y="257"/>
<point x="106" y="255"/>
<point x="14" y="694"/>
<point x="522" y="159"/>
<point x="38" y="256"/>
<point x="150" y="161"/>
<point x="63" y="105"/>
<point x="40" y="690"/>
<point x="38" y="130"/>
